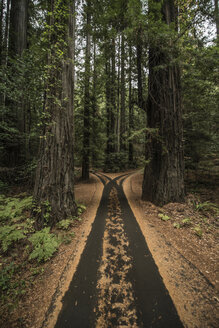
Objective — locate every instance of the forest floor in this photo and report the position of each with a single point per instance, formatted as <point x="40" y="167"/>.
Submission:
<point x="181" y="237"/>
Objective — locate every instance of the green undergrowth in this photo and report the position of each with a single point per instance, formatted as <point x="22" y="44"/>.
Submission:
<point x="23" y="249"/>
<point x="203" y="217"/>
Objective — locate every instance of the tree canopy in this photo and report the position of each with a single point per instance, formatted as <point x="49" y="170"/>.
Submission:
<point x="107" y="85"/>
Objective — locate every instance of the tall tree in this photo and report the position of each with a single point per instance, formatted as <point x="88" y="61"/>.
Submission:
<point x="130" y="108"/>
<point x="216" y="11"/>
<point x="18" y="27"/>
<point x="87" y="97"/>
<point x="54" y="184"/>
<point x="123" y="93"/>
<point x="164" y="174"/>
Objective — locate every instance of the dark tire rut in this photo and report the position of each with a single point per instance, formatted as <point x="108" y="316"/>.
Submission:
<point x="117" y="283"/>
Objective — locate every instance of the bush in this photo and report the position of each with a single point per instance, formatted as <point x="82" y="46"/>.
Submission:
<point x="44" y="245"/>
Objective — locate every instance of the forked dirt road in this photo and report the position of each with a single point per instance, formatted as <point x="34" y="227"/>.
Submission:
<point x="116" y="283"/>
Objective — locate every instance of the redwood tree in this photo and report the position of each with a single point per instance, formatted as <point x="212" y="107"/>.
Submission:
<point x="54" y="185"/>
<point x="164" y="174"/>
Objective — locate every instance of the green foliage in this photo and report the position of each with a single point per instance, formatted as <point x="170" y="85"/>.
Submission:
<point x="200" y="94"/>
<point x="64" y="224"/>
<point x="164" y="217"/>
<point x="3" y="186"/>
<point x="206" y="207"/>
<point x="116" y="162"/>
<point x="81" y="208"/>
<point x="11" y="288"/>
<point x="6" y="274"/>
<point x="198" y="231"/>
<point x="186" y="221"/>
<point x="45" y="208"/>
<point x="177" y="225"/>
<point x="9" y="235"/>
<point x="11" y="207"/>
<point x="21" y="83"/>
<point x="44" y="243"/>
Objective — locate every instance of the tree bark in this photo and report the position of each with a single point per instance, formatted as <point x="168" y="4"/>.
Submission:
<point x="131" y="122"/>
<point x="86" y="138"/>
<point x="18" y="27"/>
<point x="164" y="175"/>
<point x="113" y="95"/>
<point x="216" y="18"/>
<point x="54" y="184"/>
<point x="2" y="4"/>
<point x="94" y="107"/>
<point x="141" y="100"/>
<point x="122" y="115"/>
<point x="118" y="98"/>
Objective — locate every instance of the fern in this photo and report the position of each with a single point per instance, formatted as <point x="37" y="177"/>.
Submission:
<point x="81" y="208"/>
<point x="10" y="234"/>
<point x="14" y="207"/>
<point x="64" y="224"/>
<point x="44" y="244"/>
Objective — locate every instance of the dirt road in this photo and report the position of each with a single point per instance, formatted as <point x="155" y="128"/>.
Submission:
<point x="117" y="283"/>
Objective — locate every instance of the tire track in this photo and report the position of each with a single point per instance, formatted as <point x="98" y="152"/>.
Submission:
<point x="116" y="306"/>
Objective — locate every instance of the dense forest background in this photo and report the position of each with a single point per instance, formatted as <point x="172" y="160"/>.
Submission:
<point x="112" y="41"/>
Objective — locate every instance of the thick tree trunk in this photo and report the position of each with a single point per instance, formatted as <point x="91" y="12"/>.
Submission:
<point x="54" y="184"/>
<point x="164" y="175"/>
<point x="18" y="27"/>
<point x="86" y="138"/>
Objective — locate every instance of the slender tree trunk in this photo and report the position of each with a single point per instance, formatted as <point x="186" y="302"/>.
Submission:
<point x="113" y="95"/>
<point x="2" y="5"/>
<point x="4" y="51"/>
<point x="94" y="107"/>
<point x="164" y="175"/>
<point x="6" y="37"/>
<point x="141" y="101"/>
<point x="118" y="99"/>
<point x="54" y="184"/>
<point x="131" y="123"/>
<point x="216" y="18"/>
<point x="108" y="106"/>
<point x="86" y="138"/>
<point x="122" y="115"/>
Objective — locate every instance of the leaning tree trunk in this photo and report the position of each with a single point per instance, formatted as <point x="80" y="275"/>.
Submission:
<point x="54" y="184"/>
<point x="164" y="175"/>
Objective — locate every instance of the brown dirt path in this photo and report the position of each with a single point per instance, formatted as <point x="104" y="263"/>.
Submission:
<point x="48" y="288"/>
<point x="187" y="264"/>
